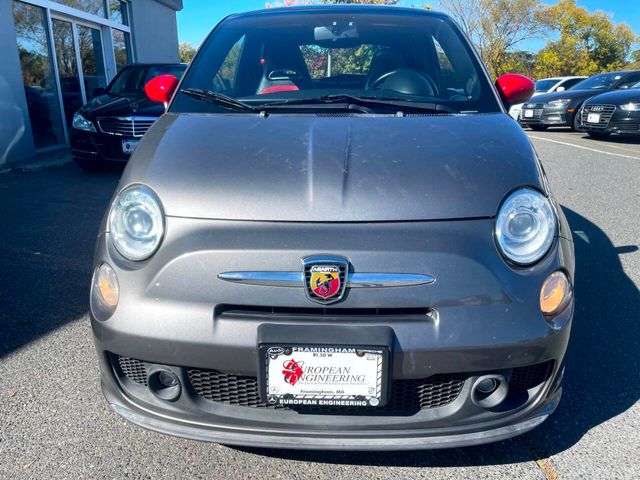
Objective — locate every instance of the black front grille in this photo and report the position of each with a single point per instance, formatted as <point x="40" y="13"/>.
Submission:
<point x="133" y="369"/>
<point x="605" y="112"/>
<point x="407" y="396"/>
<point x="537" y="111"/>
<point x="524" y="378"/>
<point x="125" y="126"/>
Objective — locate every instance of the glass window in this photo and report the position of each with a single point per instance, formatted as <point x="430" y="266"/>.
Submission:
<point x="37" y="73"/>
<point x="543" y="86"/>
<point x="289" y="55"/>
<point x="67" y="68"/>
<point x="95" y="7"/>
<point x="131" y="81"/>
<point x="118" y="11"/>
<point x="629" y="81"/>
<point x="327" y="62"/>
<point x="225" y="79"/>
<point x="93" y="71"/>
<point x="121" y="48"/>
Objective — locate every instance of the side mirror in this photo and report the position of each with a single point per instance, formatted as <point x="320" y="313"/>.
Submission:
<point x="514" y="89"/>
<point x="99" y="91"/>
<point x="560" y="89"/>
<point x="161" y="88"/>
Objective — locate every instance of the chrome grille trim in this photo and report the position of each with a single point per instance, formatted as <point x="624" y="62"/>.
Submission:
<point x="354" y="280"/>
<point x="132" y="126"/>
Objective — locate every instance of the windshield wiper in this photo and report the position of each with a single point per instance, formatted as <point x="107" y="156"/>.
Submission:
<point x="219" y="99"/>
<point x="361" y="101"/>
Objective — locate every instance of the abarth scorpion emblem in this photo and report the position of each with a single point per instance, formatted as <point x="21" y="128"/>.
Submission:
<point x="325" y="278"/>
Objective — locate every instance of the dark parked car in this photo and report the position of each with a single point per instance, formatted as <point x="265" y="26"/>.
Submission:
<point x="350" y="252"/>
<point x="109" y="127"/>
<point x="561" y="109"/>
<point x="612" y="112"/>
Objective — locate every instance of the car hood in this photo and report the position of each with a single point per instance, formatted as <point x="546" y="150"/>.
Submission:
<point x="617" y="97"/>
<point x="333" y="169"/>
<point x="113" y="106"/>
<point x="570" y="94"/>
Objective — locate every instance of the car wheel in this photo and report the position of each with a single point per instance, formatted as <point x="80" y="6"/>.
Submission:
<point x="575" y="124"/>
<point x="599" y="135"/>
<point x="538" y="128"/>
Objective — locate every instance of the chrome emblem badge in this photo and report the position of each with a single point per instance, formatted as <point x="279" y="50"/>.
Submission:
<point x="325" y="278"/>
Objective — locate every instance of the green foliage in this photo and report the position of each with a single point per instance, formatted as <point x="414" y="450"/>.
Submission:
<point x="589" y="43"/>
<point x="496" y="27"/>
<point x="186" y="52"/>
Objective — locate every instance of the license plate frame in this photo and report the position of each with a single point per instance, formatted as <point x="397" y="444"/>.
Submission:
<point x="129" y="145"/>
<point x="273" y="357"/>
<point x="593" y="117"/>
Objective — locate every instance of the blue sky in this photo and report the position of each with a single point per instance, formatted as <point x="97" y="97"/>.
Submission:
<point x="198" y="17"/>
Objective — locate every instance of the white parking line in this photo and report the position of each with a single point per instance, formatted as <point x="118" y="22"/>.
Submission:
<point x="585" y="148"/>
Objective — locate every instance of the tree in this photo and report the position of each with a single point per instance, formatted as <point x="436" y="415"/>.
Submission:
<point x="186" y="51"/>
<point x="589" y="43"/>
<point x="496" y="27"/>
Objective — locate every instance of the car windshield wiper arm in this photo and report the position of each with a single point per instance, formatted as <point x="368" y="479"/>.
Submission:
<point x="218" y="99"/>
<point x="362" y="101"/>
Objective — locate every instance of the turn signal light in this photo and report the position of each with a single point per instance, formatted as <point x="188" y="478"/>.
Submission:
<point x="105" y="292"/>
<point x="555" y="294"/>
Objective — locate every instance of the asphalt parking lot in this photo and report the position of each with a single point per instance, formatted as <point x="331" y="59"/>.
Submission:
<point x="55" y="423"/>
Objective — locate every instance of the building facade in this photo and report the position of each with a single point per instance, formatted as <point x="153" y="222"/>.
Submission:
<point x="55" y="53"/>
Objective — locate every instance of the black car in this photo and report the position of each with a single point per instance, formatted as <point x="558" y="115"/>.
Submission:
<point x="612" y="112"/>
<point x="108" y="128"/>
<point x="560" y="109"/>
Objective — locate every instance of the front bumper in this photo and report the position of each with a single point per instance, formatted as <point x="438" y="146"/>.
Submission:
<point x="97" y="147"/>
<point x="621" y="122"/>
<point x="545" y="115"/>
<point x="479" y="317"/>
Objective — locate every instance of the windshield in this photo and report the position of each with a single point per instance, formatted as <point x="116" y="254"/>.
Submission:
<point x="543" y="86"/>
<point x="602" y="81"/>
<point x="266" y="58"/>
<point x="131" y="80"/>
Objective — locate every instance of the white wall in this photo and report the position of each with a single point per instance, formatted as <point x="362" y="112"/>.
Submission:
<point x="16" y="142"/>
<point x="155" y="30"/>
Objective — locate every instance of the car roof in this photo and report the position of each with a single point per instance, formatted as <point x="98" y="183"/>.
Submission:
<point x="341" y="9"/>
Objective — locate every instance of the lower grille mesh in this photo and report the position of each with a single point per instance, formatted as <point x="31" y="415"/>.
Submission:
<point x="135" y="370"/>
<point x="407" y="396"/>
<point x="524" y="378"/>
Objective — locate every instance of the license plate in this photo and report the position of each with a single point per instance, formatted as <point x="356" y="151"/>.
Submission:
<point x="128" y="146"/>
<point x="325" y="375"/>
<point x="593" y="118"/>
<point x="528" y="114"/>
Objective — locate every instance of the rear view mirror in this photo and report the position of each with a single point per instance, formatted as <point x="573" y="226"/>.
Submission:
<point x="514" y="89"/>
<point x="336" y="31"/>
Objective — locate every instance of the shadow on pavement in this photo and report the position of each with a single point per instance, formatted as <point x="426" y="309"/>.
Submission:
<point x="602" y="365"/>
<point x="48" y="223"/>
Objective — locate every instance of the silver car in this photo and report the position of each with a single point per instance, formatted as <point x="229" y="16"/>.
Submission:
<point x="335" y="238"/>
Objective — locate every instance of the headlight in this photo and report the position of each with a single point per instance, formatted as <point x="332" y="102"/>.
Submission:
<point x="136" y="222"/>
<point x="563" y="102"/>
<point x="525" y="226"/>
<point x="630" y="107"/>
<point x="82" y="123"/>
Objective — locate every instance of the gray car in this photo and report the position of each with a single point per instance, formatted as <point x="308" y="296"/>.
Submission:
<point x="335" y="238"/>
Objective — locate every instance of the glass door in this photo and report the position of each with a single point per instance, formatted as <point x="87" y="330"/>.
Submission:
<point x="67" y="61"/>
<point x="94" y="76"/>
<point x="80" y="61"/>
